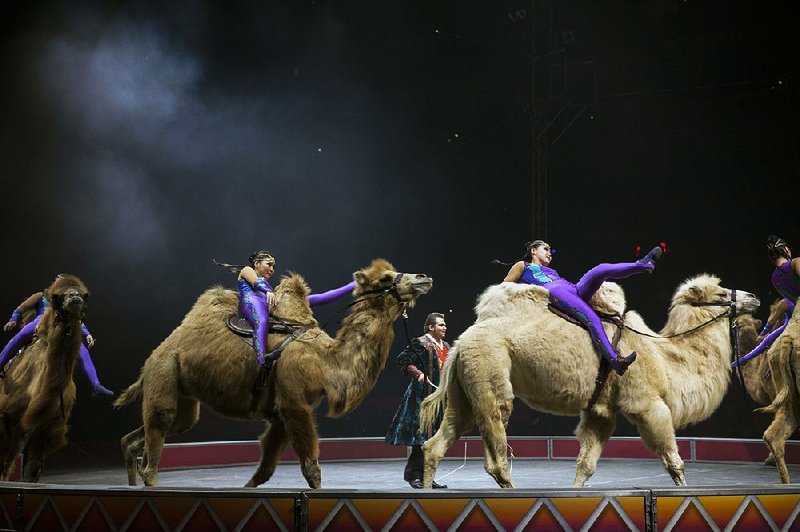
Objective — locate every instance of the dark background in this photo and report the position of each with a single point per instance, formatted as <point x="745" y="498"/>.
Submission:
<point x="140" y="140"/>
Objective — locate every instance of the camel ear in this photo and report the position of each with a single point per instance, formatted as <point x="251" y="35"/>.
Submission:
<point x="695" y="293"/>
<point x="56" y="300"/>
<point x="360" y="277"/>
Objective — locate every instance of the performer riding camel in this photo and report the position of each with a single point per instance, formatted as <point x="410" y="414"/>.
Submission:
<point x="39" y="302"/>
<point x="786" y="281"/>
<point x="257" y="298"/>
<point x="572" y="299"/>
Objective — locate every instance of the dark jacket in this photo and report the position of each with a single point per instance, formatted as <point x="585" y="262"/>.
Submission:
<point x="420" y="354"/>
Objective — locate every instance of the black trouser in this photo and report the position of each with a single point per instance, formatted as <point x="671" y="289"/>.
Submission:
<point x="414" y="467"/>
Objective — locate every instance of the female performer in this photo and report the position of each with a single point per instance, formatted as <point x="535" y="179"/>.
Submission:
<point x="572" y="299"/>
<point x="257" y="299"/>
<point x="38" y="302"/>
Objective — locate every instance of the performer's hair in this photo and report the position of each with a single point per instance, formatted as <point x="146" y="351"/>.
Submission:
<point x="526" y="254"/>
<point x="776" y="247"/>
<point x="252" y="259"/>
<point x="431" y="320"/>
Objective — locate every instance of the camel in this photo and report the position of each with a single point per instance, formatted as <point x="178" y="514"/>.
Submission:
<point x="38" y="393"/>
<point x="756" y="373"/>
<point x="201" y="361"/>
<point x="783" y="358"/>
<point x="517" y="347"/>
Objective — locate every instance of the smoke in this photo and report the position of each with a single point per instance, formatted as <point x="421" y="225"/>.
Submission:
<point x="156" y="133"/>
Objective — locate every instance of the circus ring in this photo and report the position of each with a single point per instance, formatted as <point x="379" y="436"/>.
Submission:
<point x="752" y="502"/>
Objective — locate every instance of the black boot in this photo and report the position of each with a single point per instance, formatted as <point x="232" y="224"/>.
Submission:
<point x="620" y="364"/>
<point x="650" y="259"/>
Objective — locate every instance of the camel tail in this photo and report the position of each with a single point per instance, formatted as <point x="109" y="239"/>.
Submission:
<point x="131" y="394"/>
<point x="783" y="378"/>
<point x="431" y="407"/>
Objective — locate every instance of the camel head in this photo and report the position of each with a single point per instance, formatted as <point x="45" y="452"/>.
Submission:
<point x="704" y="293"/>
<point x="68" y="296"/>
<point x="748" y="327"/>
<point x="381" y="276"/>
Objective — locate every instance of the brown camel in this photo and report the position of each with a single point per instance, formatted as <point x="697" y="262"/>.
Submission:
<point x="37" y="394"/>
<point x="756" y="373"/>
<point x="202" y="361"/>
<point x="783" y="358"/>
<point x="519" y="347"/>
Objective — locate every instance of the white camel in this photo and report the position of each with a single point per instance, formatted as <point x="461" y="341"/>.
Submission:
<point x="518" y="347"/>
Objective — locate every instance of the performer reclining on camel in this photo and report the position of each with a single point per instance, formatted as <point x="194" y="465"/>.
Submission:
<point x="257" y="299"/>
<point x="786" y="281"/>
<point x="38" y="302"/>
<point x="202" y="361"/>
<point x="572" y="299"/>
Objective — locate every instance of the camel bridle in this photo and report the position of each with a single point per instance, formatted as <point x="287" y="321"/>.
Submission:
<point x="377" y="292"/>
<point x="732" y="329"/>
<point x="731" y="304"/>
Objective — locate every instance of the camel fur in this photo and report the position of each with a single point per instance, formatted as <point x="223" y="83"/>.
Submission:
<point x="783" y="358"/>
<point x="202" y="361"/>
<point x="517" y="347"/>
<point x="38" y="393"/>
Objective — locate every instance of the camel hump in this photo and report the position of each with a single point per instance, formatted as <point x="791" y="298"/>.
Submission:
<point x="507" y="299"/>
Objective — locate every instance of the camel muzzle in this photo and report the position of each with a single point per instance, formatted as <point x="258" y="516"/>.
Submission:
<point x="747" y="303"/>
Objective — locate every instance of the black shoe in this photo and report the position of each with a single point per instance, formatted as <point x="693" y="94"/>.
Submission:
<point x="416" y="484"/>
<point x="621" y="364"/>
<point x="652" y="256"/>
<point x="438" y="486"/>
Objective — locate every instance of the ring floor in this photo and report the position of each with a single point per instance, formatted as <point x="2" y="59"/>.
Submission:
<point x="387" y="475"/>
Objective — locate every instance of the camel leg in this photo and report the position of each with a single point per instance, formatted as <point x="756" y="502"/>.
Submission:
<point x="42" y="443"/>
<point x="273" y="442"/>
<point x="298" y="421"/>
<point x="782" y="426"/>
<point x="160" y="423"/>
<point x="658" y="434"/>
<point x="492" y="401"/>
<point x="493" y="432"/>
<point x="132" y="444"/>
<point x="11" y="444"/>
<point x="593" y="432"/>
<point x="457" y="420"/>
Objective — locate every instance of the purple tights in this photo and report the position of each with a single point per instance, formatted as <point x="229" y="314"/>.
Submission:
<point x="24" y="337"/>
<point x="254" y="307"/>
<point x="572" y="298"/>
<point x="330" y="296"/>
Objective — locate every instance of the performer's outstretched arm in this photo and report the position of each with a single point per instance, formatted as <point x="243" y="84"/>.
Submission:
<point x="16" y="316"/>
<point x="331" y="295"/>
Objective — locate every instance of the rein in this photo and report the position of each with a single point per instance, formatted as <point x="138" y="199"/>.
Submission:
<point x="732" y="329"/>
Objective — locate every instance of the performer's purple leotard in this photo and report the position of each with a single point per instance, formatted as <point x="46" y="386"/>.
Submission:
<point x="25" y="336"/>
<point x="786" y="282"/>
<point x="253" y="305"/>
<point x="572" y="298"/>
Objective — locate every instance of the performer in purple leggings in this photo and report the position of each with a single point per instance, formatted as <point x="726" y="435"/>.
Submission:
<point x="786" y="281"/>
<point x="39" y="303"/>
<point x="256" y="297"/>
<point x="572" y="299"/>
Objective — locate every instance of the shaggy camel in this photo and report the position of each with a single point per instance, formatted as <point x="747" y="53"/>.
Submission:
<point x="37" y="394"/>
<point x="202" y="360"/>
<point x="756" y="373"/>
<point x="783" y="358"/>
<point x="518" y="347"/>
